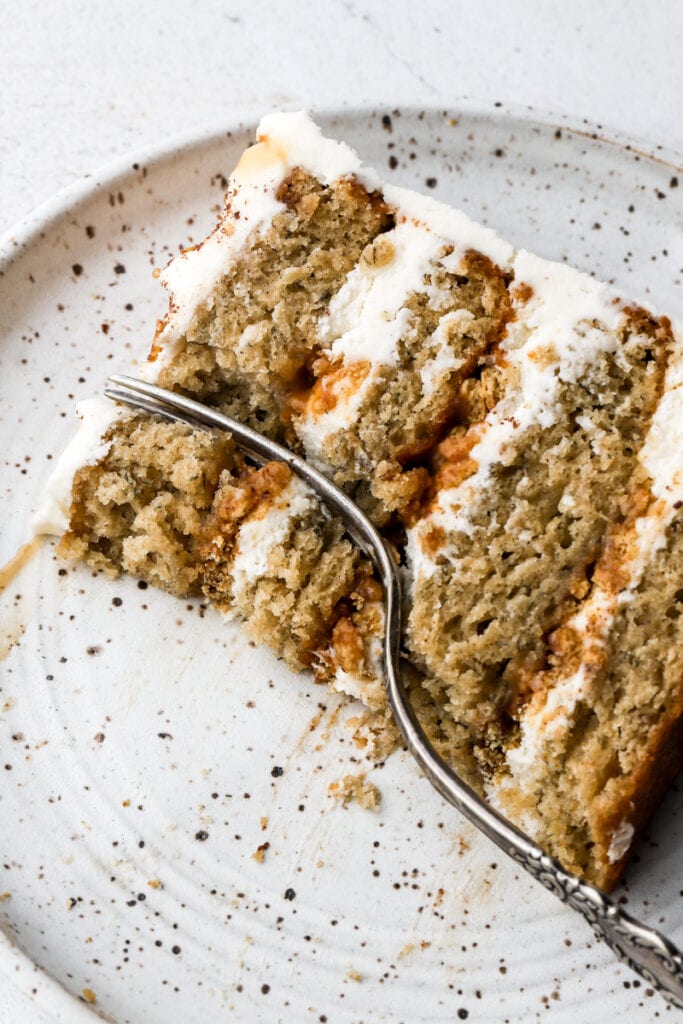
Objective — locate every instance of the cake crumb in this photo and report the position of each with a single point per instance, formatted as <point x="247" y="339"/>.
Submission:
<point x="355" y="787"/>
<point x="259" y="853"/>
<point x="411" y="947"/>
<point x="374" y="733"/>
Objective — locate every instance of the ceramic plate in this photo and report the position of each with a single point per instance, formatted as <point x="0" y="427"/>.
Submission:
<point x="147" y="751"/>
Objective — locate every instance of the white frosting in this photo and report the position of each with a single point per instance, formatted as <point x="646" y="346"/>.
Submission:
<point x="369" y="691"/>
<point x="661" y="453"/>
<point x="443" y="359"/>
<point x="305" y="146"/>
<point x="367" y="316"/>
<point x="96" y="415"/>
<point x="562" y="299"/>
<point x="450" y="224"/>
<point x="262" y="532"/>
<point x="526" y="761"/>
<point x="620" y="842"/>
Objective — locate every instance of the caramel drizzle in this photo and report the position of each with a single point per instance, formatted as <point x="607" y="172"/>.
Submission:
<point x="11" y="570"/>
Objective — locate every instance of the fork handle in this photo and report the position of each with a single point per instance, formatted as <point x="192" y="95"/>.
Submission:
<point x="644" y="949"/>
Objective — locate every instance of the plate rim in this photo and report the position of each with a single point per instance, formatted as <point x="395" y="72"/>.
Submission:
<point x="24" y="231"/>
<point x="16" y="967"/>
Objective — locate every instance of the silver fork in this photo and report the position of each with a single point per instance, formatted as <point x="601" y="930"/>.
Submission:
<point x="645" y="950"/>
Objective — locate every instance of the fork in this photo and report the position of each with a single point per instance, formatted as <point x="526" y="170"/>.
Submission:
<point x="644" y="949"/>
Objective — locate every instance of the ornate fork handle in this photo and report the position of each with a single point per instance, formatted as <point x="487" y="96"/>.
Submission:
<point x="648" y="952"/>
<point x="645" y="950"/>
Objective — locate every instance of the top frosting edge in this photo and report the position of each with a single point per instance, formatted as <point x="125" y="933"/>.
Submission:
<point x="286" y="141"/>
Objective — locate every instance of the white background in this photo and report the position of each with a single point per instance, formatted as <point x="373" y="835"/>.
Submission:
<point x="86" y="81"/>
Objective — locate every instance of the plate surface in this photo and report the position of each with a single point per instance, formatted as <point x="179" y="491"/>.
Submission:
<point x="140" y="736"/>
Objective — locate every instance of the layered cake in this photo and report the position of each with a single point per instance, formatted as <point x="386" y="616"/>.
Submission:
<point x="512" y="426"/>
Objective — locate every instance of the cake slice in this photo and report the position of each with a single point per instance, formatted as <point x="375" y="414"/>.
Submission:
<point x="503" y="419"/>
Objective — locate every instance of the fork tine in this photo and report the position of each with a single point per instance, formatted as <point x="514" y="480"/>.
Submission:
<point x="154" y="406"/>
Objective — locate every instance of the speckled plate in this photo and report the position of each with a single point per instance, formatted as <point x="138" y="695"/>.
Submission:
<point x="147" y="752"/>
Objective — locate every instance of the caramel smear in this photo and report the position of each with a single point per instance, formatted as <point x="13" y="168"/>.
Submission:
<point x="11" y="570"/>
<point x="333" y="387"/>
<point x="12" y="637"/>
<point x="13" y="625"/>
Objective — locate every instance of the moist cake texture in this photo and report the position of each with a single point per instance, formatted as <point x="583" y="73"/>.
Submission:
<point x="514" y="428"/>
